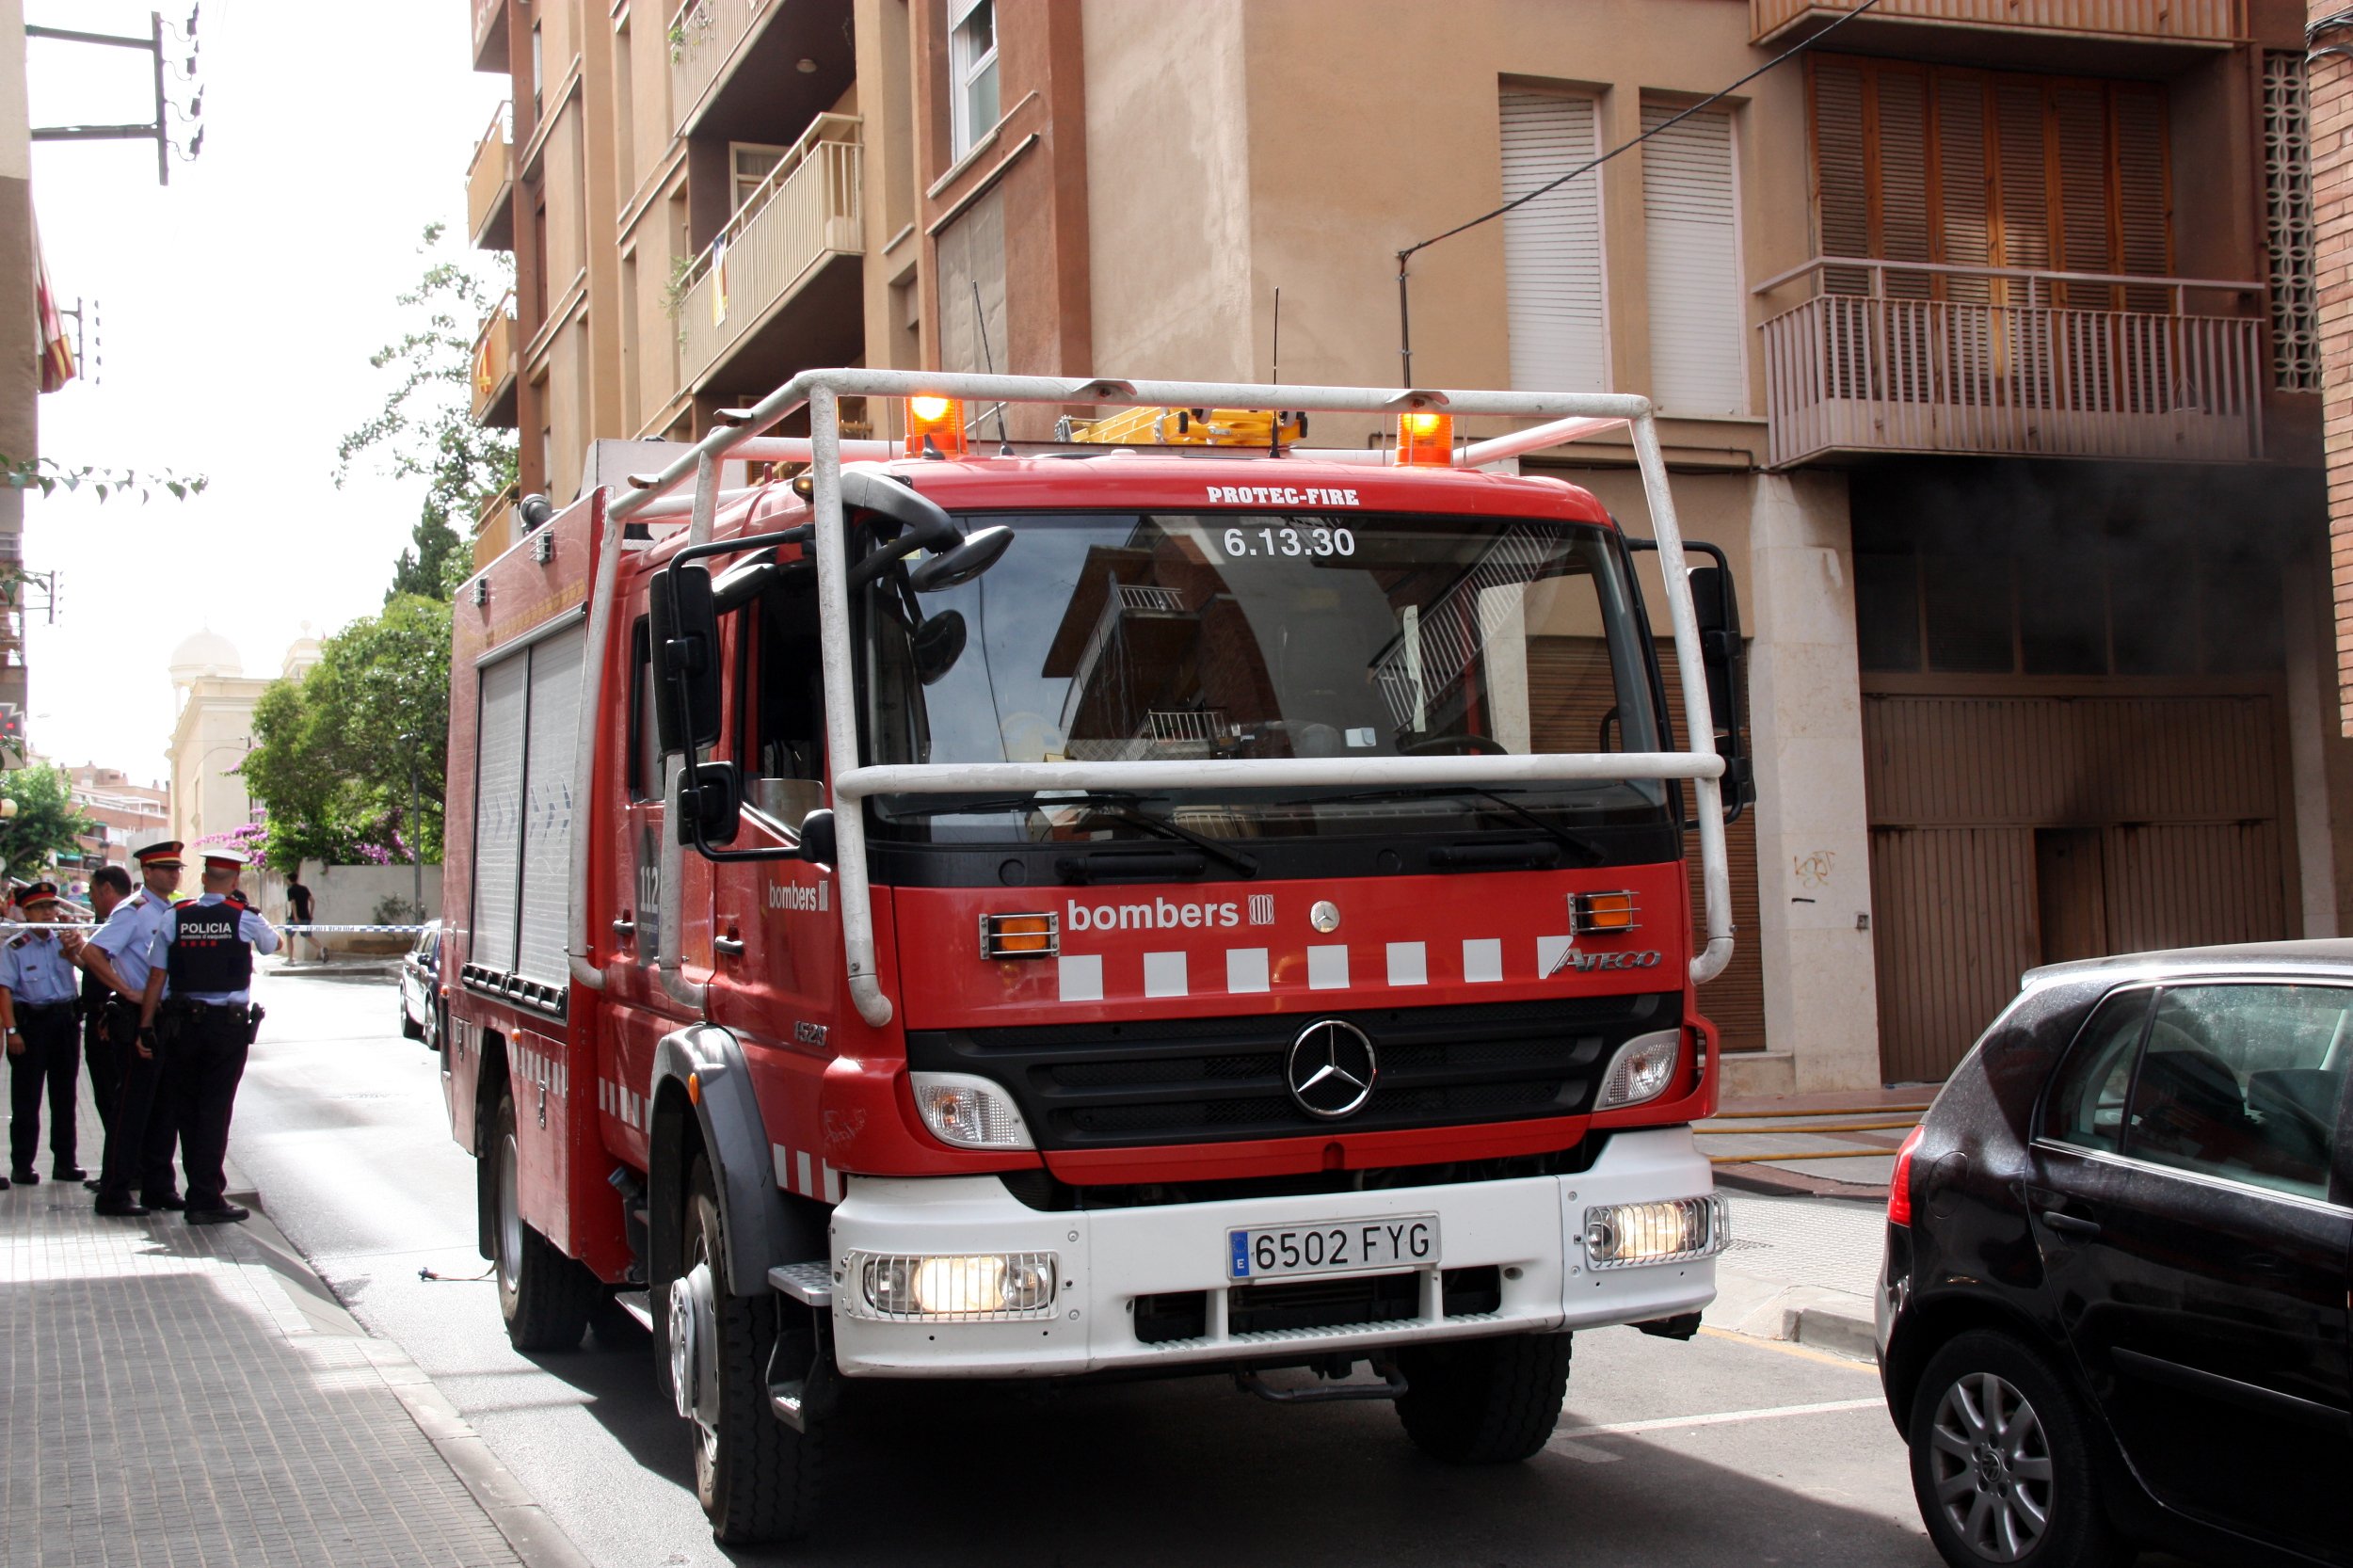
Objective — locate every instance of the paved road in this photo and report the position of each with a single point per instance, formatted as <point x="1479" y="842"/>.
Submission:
<point x="1719" y="1451"/>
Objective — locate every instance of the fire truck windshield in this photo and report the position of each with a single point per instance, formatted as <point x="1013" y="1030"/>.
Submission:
<point x="1117" y="637"/>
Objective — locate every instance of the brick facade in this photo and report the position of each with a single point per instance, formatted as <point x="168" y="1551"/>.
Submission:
<point x="2331" y="100"/>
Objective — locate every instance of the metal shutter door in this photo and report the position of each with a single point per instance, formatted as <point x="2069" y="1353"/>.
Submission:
<point x="1552" y="261"/>
<point x="498" y="811"/>
<point x="1692" y="230"/>
<point x="547" y="880"/>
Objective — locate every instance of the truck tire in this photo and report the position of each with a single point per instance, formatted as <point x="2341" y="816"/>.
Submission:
<point x="544" y="1296"/>
<point x="757" y="1479"/>
<point x="1483" y="1402"/>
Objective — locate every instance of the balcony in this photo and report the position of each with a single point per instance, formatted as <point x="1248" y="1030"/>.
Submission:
<point x="495" y="528"/>
<point x="2000" y="361"/>
<point x="494" y="367"/>
<point x="490" y="186"/>
<point x="798" y="240"/>
<point x="490" y="35"/>
<point x="2011" y="31"/>
<point x="750" y="70"/>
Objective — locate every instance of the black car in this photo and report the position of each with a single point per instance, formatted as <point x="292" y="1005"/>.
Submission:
<point x="2113" y="1313"/>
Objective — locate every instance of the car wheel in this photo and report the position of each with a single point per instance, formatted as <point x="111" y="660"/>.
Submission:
<point x="2002" y="1462"/>
<point x="544" y="1296"/>
<point x="757" y="1479"/>
<point x="1483" y="1402"/>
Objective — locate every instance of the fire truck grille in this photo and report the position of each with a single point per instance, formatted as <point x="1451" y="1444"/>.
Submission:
<point x="1176" y="1080"/>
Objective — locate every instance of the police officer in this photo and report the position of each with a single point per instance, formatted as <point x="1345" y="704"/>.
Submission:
<point x="204" y="951"/>
<point x="37" y="986"/>
<point x="108" y="886"/>
<point x="117" y="955"/>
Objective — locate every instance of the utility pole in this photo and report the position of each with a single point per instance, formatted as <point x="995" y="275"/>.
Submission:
<point x="159" y="132"/>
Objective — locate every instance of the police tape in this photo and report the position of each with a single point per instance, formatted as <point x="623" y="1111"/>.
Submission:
<point x="281" y="930"/>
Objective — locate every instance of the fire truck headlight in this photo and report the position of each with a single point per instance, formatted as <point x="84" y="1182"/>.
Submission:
<point x="987" y="1285"/>
<point x="1642" y="1068"/>
<point x="969" y="1112"/>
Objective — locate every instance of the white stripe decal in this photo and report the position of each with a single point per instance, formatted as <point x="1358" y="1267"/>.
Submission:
<point x="1549" y="951"/>
<point x="1327" y="967"/>
<point x="805" y="1186"/>
<point x="1482" y="960"/>
<point x="1082" y="976"/>
<point x="833" y="1183"/>
<point x="1164" y="974"/>
<point x="1245" y="970"/>
<point x="782" y="1158"/>
<point x="1409" y="963"/>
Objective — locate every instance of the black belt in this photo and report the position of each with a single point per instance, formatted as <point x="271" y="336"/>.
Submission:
<point x="41" y="1006"/>
<point x="209" y="1006"/>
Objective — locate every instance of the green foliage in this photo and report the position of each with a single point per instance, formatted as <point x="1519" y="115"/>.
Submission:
<point x="332" y="751"/>
<point x="46" y="821"/>
<point x="426" y="429"/>
<point x="49" y="477"/>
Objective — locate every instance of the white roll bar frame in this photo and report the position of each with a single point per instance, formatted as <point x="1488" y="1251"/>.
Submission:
<point x="1570" y="416"/>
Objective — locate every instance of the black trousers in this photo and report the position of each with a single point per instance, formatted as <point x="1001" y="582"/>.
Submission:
<point x="104" y="1055"/>
<point x="204" y="1061"/>
<point x="146" y="1121"/>
<point x="52" y="1064"/>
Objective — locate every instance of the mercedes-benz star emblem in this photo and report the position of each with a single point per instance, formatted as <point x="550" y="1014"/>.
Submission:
<point x="1332" y="1069"/>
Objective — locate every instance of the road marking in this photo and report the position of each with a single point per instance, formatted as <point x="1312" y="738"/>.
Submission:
<point x="1783" y="1347"/>
<point x="1721" y="1418"/>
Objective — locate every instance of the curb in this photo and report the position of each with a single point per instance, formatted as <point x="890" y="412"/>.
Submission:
<point x="537" y="1539"/>
<point x="1837" y="1322"/>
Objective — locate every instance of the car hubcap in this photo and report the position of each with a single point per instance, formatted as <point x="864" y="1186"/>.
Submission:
<point x="1991" y="1467"/>
<point x="511" y="1220"/>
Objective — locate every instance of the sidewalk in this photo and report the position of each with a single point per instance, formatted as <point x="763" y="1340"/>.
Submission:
<point x="178" y="1394"/>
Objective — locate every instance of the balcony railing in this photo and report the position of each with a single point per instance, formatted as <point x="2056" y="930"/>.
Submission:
<point x="2203" y="22"/>
<point x="494" y="528"/>
<point x="703" y="36"/>
<point x="804" y="213"/>
<point x="1893" y="358"/>
<point x="491" y="185"/>
<point x="494" y="367"/>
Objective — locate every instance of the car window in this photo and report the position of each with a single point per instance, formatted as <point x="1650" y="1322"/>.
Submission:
<point x="2244" y="1081"/>
<point x="2085" y="1105"/>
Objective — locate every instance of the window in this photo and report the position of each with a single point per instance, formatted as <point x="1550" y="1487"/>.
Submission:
<point x="625" y="111"/>
<point x="2244" y="1081"/>
<point x="1691" y="223"/>
<point x="786" y="768"/>
<point x="2288" y="222"/>
<point x="752" y="162"/>
<point x="2086" y="1105"/>
<point x="971" y="73"/>
<point x="645" y="743"/>
<point x="1552" y="257"/>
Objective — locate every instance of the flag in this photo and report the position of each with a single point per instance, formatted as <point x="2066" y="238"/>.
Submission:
<point x="56" y="350"/>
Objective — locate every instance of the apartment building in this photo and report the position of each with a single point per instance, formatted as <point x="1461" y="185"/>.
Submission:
<point x="118" y="809"/>
<point x="1983" y="333"/>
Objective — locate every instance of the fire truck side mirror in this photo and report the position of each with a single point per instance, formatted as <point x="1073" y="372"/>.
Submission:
<point x="684" y="646"/>
<point x="1718" y="610"/>
<point x="817" y="840"/>
<point x="710" y="805"/>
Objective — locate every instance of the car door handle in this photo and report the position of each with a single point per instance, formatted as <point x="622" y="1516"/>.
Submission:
<point x="625" y="929"/>
<point x="2069" y="1225"/>
<point x="731" y="946"/>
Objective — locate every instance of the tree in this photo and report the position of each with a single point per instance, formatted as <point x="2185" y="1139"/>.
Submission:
<point x="46" y="821"/>
<point x="426" y="429"/>
<point x="332" y="750"/>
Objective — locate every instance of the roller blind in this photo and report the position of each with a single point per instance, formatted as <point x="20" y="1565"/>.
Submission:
<point x="1552" y="259"/>
<point x="546" y="827"/>
<point x="1692" y="232"/>
<point x="498" y="810"/>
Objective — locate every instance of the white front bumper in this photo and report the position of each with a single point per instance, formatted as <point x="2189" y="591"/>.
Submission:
<point x="1530" y="1228"/>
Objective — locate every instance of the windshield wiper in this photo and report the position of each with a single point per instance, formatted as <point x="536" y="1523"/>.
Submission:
<point x="1118" y="804"/>
<point x="1575" y="843"/>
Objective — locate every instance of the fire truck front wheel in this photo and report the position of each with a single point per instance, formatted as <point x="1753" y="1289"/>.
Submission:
<point x="1483" y="1402"/>
<point x="544" y="1296"/>
<point x="757" y="1479"/>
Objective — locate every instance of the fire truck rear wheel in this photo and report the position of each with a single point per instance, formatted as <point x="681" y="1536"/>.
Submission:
<point x="544" y="1296"/>
<point x="757" y="1479"/>
<point x="1483" y="1402"/>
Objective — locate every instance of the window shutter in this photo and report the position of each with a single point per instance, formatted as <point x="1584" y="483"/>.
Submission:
<point x="1692" y="229"/>
<point x="2144" y="219"/>
<point x="1963" y="182"/>
<point x="1902" y="153"/>
<point x="1552" y="259"/>
<point x="2024" y="177"/>
<point x="2079" y="146"/>
<point x="1842" y="184"/>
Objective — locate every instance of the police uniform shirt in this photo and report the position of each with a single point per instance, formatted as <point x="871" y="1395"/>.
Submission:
<point x="35" y="969"/>
<point x="128" y="937"/>
<point x="251" y="929"/>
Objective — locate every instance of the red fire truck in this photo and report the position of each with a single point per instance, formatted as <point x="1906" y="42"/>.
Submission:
<point x="1169" y="901"/>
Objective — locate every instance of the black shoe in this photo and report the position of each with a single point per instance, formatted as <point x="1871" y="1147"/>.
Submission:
<point x="170" y="1200"/>
<point x="122" y="1209"/>
<point x="228" y="1213"/>
<point x="68" y="1173"/>
<point x="89" y="1184"/>
<point x="25" y="1178"/>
